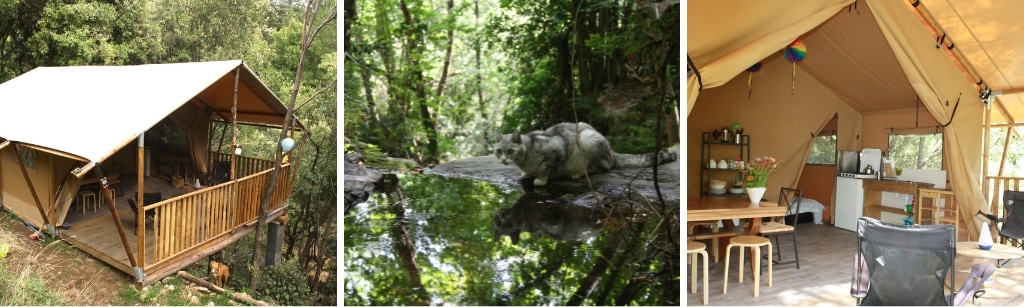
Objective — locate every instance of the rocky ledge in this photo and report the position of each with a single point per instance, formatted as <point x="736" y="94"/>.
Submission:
<point x="620" y="183"/>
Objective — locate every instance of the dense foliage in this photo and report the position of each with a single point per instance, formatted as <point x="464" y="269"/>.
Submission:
<point x="439" y="80"/>
<point x="264" y="34"/>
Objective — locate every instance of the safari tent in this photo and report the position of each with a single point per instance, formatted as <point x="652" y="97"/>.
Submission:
<point x="876" y="66"/>
<point x="123" y="134"/>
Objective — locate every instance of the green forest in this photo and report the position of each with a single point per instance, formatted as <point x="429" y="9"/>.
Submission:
<point x="269" y="36"/>
<point x="433" y="81"/>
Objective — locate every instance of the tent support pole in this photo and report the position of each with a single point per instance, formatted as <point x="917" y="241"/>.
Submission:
<point x="39" y="205"/>
<point x="234" y="125"/>
<point x="140" y="215"/>
<point x="109" y="198"/>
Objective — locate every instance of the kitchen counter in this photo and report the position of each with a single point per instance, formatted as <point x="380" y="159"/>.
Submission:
<point x="873" y="195"/>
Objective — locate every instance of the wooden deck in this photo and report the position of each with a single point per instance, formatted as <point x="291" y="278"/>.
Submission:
<point x="96" y="234"/>
<point x="826" y="266"/>
<point x="191" y="224"/>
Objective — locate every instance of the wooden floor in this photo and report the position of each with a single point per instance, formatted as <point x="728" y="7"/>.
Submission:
<point x="826" y="266"/>
<point x="96" y="233"/>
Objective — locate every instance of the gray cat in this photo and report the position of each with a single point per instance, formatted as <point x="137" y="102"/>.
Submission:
<point x="555" y="153"/>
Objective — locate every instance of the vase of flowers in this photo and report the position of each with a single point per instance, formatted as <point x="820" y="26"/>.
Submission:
<point x="757" y="173"/>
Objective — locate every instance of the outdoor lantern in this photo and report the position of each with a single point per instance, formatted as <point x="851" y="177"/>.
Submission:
<point x="287" y="144"/>
<point x="238" y="150"/>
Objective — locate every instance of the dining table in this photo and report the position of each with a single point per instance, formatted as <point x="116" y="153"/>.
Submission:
<point x="727" y="208"/>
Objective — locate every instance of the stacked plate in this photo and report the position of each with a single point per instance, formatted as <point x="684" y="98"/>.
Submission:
<point x="717" y="191"/>
<point x="736" y="190"/>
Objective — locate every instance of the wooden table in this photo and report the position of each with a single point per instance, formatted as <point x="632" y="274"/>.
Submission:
<point x="702" y="209"/>
<point x="998" y="251"/>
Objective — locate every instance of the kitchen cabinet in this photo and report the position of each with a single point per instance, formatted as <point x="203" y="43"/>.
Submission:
<point x="873" y="206"/>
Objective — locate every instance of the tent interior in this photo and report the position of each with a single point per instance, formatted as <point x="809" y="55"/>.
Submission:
<point x="872" y="67"/>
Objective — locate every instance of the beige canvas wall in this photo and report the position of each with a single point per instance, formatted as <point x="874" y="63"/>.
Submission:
<point x="16" y="195"/>
<point x="780" y="123"/>
<point x="878" y="125"/>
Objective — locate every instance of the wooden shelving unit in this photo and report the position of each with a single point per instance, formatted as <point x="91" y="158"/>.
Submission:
<point x="715" y="149"/>
<point x="937" y="207"/>
<point x="873" y="195"/>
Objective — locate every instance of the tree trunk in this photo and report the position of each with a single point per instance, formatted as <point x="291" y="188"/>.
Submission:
<point x="479" y="77"/>
<point x="308" y="34"/>
<point x="591" y="280"/>
<point x="416" y="80"/>
<point x="448" y="52"/>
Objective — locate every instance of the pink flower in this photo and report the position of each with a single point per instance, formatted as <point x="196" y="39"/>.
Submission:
<point x="759" y="169"/>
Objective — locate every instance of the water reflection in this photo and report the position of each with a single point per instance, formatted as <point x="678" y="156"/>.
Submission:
<point x="439" y="240"/>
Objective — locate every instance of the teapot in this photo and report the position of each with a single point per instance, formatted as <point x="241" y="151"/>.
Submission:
<point x="869" y="170"/>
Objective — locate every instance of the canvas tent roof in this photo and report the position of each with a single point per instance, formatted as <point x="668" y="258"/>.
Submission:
<point x="850" y="55"/>
<point x="88" y="112"/>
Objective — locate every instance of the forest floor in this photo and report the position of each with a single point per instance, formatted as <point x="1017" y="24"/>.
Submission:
<point x="52" y="272"/>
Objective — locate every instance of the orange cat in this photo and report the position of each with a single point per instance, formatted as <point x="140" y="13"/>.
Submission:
<point x="219" y="273"/>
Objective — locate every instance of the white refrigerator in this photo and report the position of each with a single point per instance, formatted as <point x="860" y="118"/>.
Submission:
<point x="849" y="202"/>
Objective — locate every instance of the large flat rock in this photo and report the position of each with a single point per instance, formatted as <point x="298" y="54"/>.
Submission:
<point x="617" y="183"/>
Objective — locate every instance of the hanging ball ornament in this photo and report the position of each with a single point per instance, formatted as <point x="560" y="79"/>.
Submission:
<point x="755" y="68"/>
<point x="796" y="51"/>
<point x="287" y="144"/>
<point x="750" y="78"/>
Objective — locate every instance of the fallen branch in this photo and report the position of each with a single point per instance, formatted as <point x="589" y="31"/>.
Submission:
<point x="238" y="296"/>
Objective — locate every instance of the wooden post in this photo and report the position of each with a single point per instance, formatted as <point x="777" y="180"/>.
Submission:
<point x="234" y="124"/>
<point x="140" y="215"/>
<point x="106" y="193"/>
<point x="32" y="189"/>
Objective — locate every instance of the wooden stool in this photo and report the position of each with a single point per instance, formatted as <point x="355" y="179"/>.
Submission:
<point x="756" y="243"/>
<point x="87" y="198"/>
<point x="184" y="167"/>
<point x="693" y="249"/>
<point x="714" y="241"/>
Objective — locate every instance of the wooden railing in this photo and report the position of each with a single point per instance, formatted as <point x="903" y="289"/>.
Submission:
<point x="244" y="166"/>
<point x="187" y="222"/>
<point x="993" y="188"/>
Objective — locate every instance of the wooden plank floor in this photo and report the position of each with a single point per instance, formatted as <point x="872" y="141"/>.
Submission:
<point x="826" y="267"/>
<point x="98" y="233"/>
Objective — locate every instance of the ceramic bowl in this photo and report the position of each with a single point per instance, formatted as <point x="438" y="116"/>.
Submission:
<point x="736" y="190"/>
<point x="716" y="184"/>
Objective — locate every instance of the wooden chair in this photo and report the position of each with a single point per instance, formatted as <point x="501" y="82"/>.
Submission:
<point x="790" y="198"/>
<point x="693" y="249"/>
<point x="114" y="179"/>
<point x="756" y="243"/>
<point x="150" y="215"/>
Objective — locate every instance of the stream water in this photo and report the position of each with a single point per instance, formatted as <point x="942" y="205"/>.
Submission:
<point x="451" y="241"/>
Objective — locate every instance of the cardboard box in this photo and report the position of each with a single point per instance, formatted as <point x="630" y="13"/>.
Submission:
<point x="177" y="181"/>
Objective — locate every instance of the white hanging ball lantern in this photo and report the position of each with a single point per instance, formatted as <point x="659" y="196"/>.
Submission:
<point x="287" y="144"/>
<point x="238" y="151"/>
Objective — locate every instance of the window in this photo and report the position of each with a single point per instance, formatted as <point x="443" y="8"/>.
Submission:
<point x="28" y="155"/>
<point x="823" y="151"/>
<point x="916" y="151"/>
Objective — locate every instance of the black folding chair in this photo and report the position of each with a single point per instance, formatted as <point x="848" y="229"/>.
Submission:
<point x="908" y="265"/>
<point x="1012" y="229"/>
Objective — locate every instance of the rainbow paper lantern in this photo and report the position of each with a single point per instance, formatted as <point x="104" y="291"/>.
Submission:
<point x="755" y="68"/>
<point x="750" y="79"/>
<point x="796" y="51"/>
